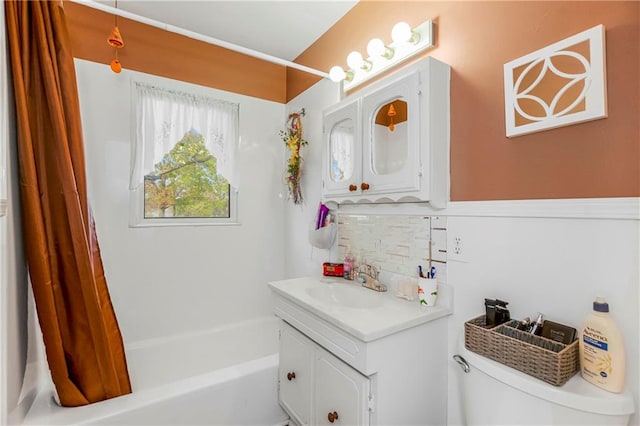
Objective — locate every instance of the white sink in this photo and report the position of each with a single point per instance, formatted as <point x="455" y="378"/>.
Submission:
<point x="346" y="296"/>
<point x="363" y="313"/>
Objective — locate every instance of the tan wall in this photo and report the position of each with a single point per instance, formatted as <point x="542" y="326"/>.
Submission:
<point x="595" y="159"/>
<point x="158" y="52"/>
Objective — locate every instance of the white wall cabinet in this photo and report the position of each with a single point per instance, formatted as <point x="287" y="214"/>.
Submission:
<point x="390" y="142"/>
<point x="315" y="387"/>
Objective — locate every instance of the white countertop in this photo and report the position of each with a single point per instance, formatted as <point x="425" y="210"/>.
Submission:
<point x="382" y="313"/>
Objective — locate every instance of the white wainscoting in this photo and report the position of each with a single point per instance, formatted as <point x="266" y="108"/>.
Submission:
<point x="554" y="260"/>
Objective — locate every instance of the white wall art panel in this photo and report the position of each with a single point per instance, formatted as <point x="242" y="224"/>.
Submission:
<point x="559" y="85"/>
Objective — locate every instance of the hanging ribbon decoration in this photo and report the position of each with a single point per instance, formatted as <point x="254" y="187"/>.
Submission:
<point x="115" y="40"/>
<point x="293" y="139"/>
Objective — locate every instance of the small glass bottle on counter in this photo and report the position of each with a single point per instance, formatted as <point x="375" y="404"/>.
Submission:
<point x="348" y="265"/>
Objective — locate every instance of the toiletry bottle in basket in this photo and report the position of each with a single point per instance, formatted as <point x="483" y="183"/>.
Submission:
<point x="536" y="328"/>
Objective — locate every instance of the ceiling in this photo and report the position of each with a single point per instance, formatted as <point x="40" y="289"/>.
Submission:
<point x="283" y="29"/>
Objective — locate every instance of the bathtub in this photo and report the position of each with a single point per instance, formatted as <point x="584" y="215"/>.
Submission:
<point x="224" y="376"/>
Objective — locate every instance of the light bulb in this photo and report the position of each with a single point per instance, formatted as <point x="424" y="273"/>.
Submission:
<point x="376" y="47"/>
<point x="337" y="74"/>
<point x="402" y="33"/>
<point x="355" y="61"/>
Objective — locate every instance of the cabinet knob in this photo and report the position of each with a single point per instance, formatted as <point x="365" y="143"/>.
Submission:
<point x="332" y="416"/>
<point x="291" y="376"/>
<point x="353" y="187"/>
<point x="364" y="186"/>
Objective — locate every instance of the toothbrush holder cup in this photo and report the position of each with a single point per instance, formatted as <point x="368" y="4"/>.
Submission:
<point x="427" y="291"/>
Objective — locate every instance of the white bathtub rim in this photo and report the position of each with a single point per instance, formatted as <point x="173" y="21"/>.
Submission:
<point x="44" y="411"/>
<point x="173" y="338"/>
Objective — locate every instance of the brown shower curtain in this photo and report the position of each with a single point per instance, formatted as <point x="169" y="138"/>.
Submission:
<point x="81" y="335"/>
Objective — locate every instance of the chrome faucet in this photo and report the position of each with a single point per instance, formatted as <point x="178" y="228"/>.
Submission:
<point x="368" y="276"/>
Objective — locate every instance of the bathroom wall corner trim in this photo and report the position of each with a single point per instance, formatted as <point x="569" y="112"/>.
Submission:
<point x="577" y="208"/>
<point x="625" y="208"/>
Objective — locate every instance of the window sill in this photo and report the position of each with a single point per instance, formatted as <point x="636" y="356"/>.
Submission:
<point x="181" y="224"/>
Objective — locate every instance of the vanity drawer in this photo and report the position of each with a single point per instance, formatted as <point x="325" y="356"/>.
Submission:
<point x="345" y="347"/>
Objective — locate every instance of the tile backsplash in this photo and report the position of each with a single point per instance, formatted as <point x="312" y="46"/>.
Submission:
<point x="395" y="243"/>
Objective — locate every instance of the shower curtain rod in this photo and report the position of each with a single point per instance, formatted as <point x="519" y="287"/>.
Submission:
<point x="201" y="37"/>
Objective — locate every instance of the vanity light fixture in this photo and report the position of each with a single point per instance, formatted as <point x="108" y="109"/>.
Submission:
<point x="406" y="43"/>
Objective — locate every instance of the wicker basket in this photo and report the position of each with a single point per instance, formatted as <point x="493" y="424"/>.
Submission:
<point x="545" y="359"/>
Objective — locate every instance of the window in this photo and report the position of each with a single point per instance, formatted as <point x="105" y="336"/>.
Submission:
<point x="185" y="183"/>
<point x="183" y="169"/>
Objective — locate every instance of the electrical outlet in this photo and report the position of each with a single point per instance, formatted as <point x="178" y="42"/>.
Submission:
<point x="457" y="245"/>
<point x="457" y="251"/>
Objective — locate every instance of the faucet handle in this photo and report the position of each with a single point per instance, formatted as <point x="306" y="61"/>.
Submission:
<point x="374" y="272"/>
<point x="378" y="286"/>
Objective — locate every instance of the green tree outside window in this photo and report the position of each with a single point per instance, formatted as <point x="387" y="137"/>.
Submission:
<point x="185" y="183"/>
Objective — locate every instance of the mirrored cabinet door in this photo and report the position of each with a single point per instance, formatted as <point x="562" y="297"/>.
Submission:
<point x="341" y="147"/>
<point x="391" y="136"/>
<point x="390" y="141"/>
<point x="342" y="150"/>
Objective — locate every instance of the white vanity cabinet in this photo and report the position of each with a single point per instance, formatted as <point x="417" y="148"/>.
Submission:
<point x="315" y="387"/>
<point x="372" y="359"/>
<point x="390" y="142"/>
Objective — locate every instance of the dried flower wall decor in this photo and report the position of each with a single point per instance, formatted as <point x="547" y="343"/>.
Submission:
<point x="292" y="137"/>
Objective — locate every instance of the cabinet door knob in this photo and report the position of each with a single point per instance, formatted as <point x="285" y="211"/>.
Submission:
<point x="353" y="187"/>
<point x="291" y="376"/>
<point x="332" y="416"/>
<point x="364" y="186"/>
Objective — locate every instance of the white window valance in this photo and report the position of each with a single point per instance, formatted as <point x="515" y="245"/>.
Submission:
<point x="164" y="116"/>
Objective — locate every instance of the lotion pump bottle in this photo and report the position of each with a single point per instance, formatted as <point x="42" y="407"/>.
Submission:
<point x="602" y="356"/>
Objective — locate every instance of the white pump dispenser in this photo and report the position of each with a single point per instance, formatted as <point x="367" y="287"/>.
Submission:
<point x="602" y="356"/>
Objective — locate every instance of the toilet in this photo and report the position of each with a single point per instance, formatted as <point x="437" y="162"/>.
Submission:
<point x="494" y="394"/>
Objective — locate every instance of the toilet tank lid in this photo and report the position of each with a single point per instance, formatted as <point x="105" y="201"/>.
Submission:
<point x="577" y="393"/>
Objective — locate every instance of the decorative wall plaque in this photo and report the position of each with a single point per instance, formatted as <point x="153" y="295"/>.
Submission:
<point x="559" y="85"/>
